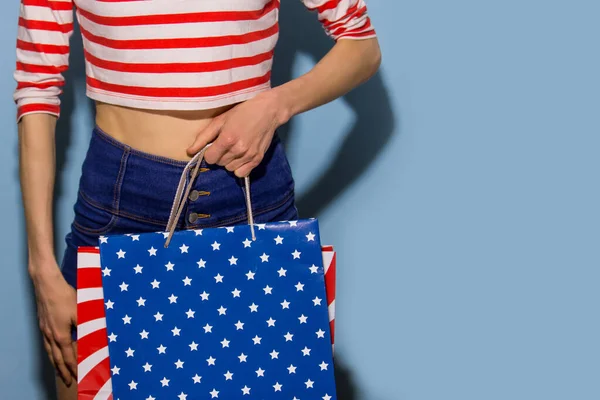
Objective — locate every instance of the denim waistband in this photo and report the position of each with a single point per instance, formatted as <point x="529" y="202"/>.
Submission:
<point x="141" y="186"/>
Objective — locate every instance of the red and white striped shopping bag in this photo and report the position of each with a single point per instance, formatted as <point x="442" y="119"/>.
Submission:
<point x="93" y="363"/>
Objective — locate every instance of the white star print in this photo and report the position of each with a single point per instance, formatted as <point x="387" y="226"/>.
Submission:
<point x="126" y="320"/>
<point x="247" y="243"/>
<point x="133" y="385"/>
<point x="121" y="254"/>
<point x="320" y="334"/>
<point x="278" y="240"/>
<point x="306" y="351"/>
<point x="292" y="369"/>
<point x="158" y="316"/>
<point x="216" y="246"/>
<point x="274" y="354"/>
<point x="309" y="384"/>
<point x="201" y="263"/>
<point x="103" y="239"/>
<point x="198" y="232"/>
<point x="141" y="302"/>
<point x="184" y="249"/>
<point x="178" y="364"/>
<point x="302" y="319"/>
<point x="256" y="339"/>
<point x="123" y="287"/>
<point x="282" y="272"/>
<point x="170" y="266"/>
<point x="155" y="284"/>
<point x="138" y="269"/>
<point x="277" y="387"/>
<point x="135" y="238"/>
<point x="204" y="296"/>
<point x="172" y="299"/>
<point x="211" y="360"/>
<point x="112" y="337"/>
<point x="261" y="227"/>
<point x="228" y="376"/>
<point x="129" y="352"/>
<point x="196" y="378"/>
<point x="147" y="367"/>
<point x="260" y="372"/>
<point x="323" y="366"/>
<point x="293" y="223"/>
<point x="250" y="275"/>
<point x="109" y="304"/>
<point x="326" y="397"/>
<point x="296" y="254"/>
<point x="314" y="269"/>
<point x="187" y="281"/>
<point x="245" y="390"/>
<point x="165" y="382"/>
<point x="222" y="310"/>
<point x="115" y="370"/>
<point x="190" y="313"/>
<point x="225" y="343"/>
<point x="299" y="287"/>
<point x="285" y="304"/>
<point x="182" y="396"/>
<point x="214" y="393"/>
<point x="144" y="334"/>
<point x="176" y="331"/>
<point x="270" y="322"/>
<point x="152" y="251"/>
<point x="317" y="301"/>
<point x="106" y="271"/>
<point x="236" y="293"/>
<point x="193" y="346"/>
<point x="229" y="229"/>
<point x="253" y="308"/>
<point x="268" y="290"/>
<point x="242" y="357"/>
<point x="239" y="325"/>
<point x="207" y="328"/>
<point x="264" y="257"/>
<point x="310" y="237"/>
<point x="150" y="398"/>
<point x="165" y="234"/>
<point x="218" y="278"/>
<point x="288" y="337"/>
<point x="233" y="261"/>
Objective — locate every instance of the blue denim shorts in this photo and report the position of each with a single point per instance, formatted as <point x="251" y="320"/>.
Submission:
<point x="123" y="190"/>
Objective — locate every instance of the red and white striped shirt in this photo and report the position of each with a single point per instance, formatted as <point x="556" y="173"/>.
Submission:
<point x="161" y="54"/>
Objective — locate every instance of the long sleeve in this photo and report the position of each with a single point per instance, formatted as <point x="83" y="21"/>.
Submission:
<point x="45" y="27"/>
<point x="343" y="19"/>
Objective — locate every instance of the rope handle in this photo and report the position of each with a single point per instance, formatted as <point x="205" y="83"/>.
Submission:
<point x="183" y="191"/>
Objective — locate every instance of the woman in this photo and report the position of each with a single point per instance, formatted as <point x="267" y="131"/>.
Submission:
<point x="168" y="77"/>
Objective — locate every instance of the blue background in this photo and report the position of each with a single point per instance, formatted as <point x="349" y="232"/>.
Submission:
<point x="460" y="187"/>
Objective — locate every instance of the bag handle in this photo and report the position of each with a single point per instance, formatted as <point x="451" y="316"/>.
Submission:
<point x="183" y="191"/>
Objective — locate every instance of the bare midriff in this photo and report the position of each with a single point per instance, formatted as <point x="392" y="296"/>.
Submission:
<point x="166" y="133"/>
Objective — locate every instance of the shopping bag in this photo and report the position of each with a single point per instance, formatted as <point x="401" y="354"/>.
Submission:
<point x="94" y="371"/>
<point x="229" y="312"/>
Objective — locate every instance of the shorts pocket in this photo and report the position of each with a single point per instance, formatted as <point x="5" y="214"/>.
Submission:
<point x="92" y="218"/>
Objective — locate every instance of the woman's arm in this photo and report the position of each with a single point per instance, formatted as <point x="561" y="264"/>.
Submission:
<point x="241" y="136"/>
<point x="42" y="55"/>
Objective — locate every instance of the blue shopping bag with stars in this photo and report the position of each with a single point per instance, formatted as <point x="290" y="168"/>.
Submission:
<point x="226" y="313"/>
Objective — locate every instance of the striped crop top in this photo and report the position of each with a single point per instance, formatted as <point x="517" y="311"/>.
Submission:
<point x="161" y="54"/>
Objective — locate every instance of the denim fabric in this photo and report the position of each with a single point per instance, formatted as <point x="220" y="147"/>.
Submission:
<point x="123" y="190"/>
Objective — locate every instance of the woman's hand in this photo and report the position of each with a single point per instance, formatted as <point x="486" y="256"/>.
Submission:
<point x="241" y="136"/>
<point x="57" y="314"/>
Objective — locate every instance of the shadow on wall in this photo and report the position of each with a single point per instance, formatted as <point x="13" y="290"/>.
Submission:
<point x="301" y="32"/>
<point x="373" y="127"/>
